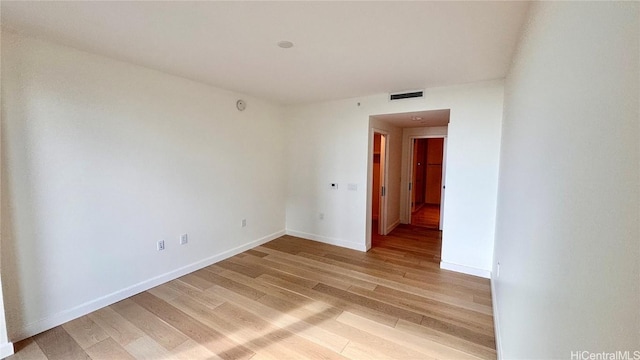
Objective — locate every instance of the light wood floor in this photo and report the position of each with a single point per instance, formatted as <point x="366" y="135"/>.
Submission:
<point x="293" y="298"/>
<point x="428" y="216"/>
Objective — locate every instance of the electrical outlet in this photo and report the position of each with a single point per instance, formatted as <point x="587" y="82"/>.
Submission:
<point x="184" y="239"/>
<point x="160" y="245"/>
<point x="244" y="223"/>
<point x="321" y="216"/>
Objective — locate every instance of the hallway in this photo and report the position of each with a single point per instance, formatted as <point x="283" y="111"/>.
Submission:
<point x="428" y="216"/>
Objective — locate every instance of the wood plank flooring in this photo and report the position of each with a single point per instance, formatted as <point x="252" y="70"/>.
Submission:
<point x="428" y="216"/>
<point x="291" y="299"/>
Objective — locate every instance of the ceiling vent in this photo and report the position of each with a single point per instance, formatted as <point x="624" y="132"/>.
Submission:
<point x="406" y="95"/>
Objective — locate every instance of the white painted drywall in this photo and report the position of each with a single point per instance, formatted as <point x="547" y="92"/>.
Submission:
<point x="6" y="347"/>
<point x="407" y="148"/>
<point x="567" y="235"/>
<point x="101" y="159"/>
<point x="329" y="142"/>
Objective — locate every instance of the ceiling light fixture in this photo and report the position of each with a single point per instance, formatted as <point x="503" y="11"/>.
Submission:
<point x="285" y="44"/>
<point x="416" y="118"/>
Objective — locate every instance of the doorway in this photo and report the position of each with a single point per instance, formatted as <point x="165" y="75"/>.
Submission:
<point x="379" y="188"/>
<point x="427" y="174"/>
<point x="390" y="141"/>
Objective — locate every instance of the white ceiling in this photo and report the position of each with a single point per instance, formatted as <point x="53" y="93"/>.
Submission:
<point x="342" y="49"/>
<point x="417" y="118"/>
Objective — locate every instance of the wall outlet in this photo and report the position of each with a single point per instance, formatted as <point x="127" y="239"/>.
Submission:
<point x="160" y="245"/>
<point x="321" y="216"/>
<point x="243" y="223"/>
<point x="184" y="239"/>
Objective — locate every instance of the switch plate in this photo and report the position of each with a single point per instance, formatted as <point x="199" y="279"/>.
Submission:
<point x="160" y="245"/>
<point x="184" y="239"/>
<point x="321" y="216"/>
<point x="243" y="223"/>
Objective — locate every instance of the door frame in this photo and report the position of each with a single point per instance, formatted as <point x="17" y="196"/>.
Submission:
<point x="384" y="182"/>
<point x="412" y="139"/>
<point x="384" y="188"/>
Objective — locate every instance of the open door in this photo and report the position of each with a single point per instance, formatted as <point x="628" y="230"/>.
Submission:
<point x="382" y="224"/>
<point x="442" y="186"/>
<point x="379" y="183"/>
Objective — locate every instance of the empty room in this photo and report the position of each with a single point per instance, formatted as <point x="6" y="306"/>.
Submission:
<point x="319" y="179"/>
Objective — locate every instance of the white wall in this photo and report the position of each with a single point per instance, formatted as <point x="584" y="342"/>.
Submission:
<point x="407" y="148"/>
<point x="101" y="159"/>
<point x="323" y="148"/>
<point x="567" y="231"/>
<point x="6" y="347"/>
<point x="328" y="142"/>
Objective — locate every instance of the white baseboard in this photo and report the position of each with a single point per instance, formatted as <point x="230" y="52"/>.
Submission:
<point x="465" y="270"/>
<point x="496" y="319"/>
<point x="6" y="350"/>
<point x="93" y="305"/>
<point x="393" y="226"/>
<point x="328" y="240"/>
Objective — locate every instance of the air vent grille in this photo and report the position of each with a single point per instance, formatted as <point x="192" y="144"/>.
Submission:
<point x="406" y="95"/>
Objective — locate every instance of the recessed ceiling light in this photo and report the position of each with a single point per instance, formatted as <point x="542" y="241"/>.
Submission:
<point x="285" y="44"/>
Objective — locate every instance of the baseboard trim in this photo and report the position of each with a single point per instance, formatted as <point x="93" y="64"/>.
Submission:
<point x="393" y="226"/>
<point x="328" y="240"/>
<point x="93" y="305"/>
<point x="6" y="350"/>
<point x="465" y="269"/>
<point x="496" y="319"/>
